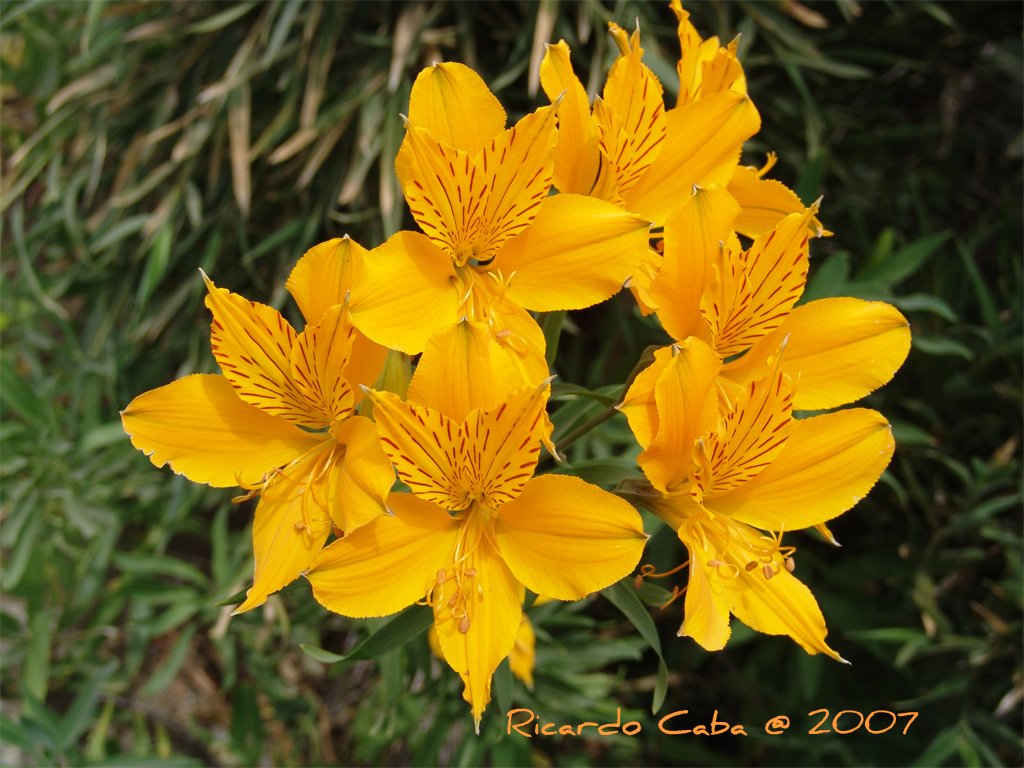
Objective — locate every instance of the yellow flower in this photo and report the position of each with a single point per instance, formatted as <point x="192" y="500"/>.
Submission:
<point x="280" y="421"/>
<point x="721" y="470"/>
<point x="741" y="301"/>
<point x="477" y="528"/>
<point x="494" y="244"/>
<point x="521" y="659"/>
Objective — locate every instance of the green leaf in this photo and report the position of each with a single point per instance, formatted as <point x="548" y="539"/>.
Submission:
<point x="893" y="268"/>
<point x="172" y="664"/>
<point x="937" y="345"/>
<point x="551" y="324"/>
<point x="624" y="597"/>
<point x="80" y="714"/>
<point x="406" y="626"/>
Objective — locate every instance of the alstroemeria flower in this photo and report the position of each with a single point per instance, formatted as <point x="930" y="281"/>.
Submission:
<point x="477" y="529"/>
<point x="494" y="244"/>
<point x="280" y="422"/>
<point x="723" y="471"/>
<point x="742" y="302"/>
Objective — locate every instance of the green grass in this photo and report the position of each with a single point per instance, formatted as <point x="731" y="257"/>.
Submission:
<point x="142" y="142"/>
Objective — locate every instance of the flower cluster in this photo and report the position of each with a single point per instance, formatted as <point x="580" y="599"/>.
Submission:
<point x="557" y="212"/>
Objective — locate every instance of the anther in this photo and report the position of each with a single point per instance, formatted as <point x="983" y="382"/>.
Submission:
<point x="441" y="578"/>
<point x="750" y="566"/>
<point x="464" y="624"/>
<point x="470" y="572"/>
<point x="790" y="564"/>
<point x="768" y="571"/>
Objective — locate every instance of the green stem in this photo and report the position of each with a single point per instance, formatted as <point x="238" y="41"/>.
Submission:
<point x="585" y="427"/>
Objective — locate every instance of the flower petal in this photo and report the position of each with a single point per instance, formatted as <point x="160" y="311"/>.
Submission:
<point x="694" y="236"/>
<point x="840" y="349"/>
<point x="638" y="405"/>
<point x="363" y="480"/>
<point x="463" y="368"/>
<point x="687" y="403"/>
<point x="252" y="343"/>
<point x="406" y="291"/>
<point x="389" y="563"/>
<point x="288" y="530"/>
<point x="426" y="447"/>
<point x="454" y="104"/>
<point x="469" y="205"/>
<point x="578" y="162"/>
<point x="704" y="68"/>
<point x="200" y="427"/>
<point x="754" y="291"/>
<point x="578" y="252"/>
<point x="830" y="462"/>
<point x="702" y="147"/>
<point x="778" y="604"/>
<point x="504" y="442"/>
<point x="764" y="203"/>
<point x="522" y="658"/>
<point x="475" y="642"/>
<point x="324" y="276"/>
<point x="631" y="115"/>
<point x="753" y="435"/>
<point x="319" y="357"/>
<point x="565" y="538"/>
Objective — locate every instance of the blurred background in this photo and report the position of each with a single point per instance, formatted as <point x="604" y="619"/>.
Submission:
<point x="143" y="141"/>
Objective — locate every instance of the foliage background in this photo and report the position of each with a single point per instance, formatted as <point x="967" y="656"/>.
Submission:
<point x="142" y="141"/>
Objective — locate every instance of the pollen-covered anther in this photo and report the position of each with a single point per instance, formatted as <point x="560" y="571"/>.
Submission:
<point x="768" y="571"/>
<point x="790" y="564"/>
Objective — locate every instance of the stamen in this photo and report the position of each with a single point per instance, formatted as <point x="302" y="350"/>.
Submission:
<point x="647" y="571"/>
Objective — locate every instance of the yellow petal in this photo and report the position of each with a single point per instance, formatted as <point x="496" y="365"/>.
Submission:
<point x="522" y="658"/>
<point x="705" y="68"/>
<point x="565" y="538"/>
<point x="426" y="447"/>
<point x="454" y="104"/>
<point x="776" y="604"/>
<point x="764" y="203"/>
<point x="252" y="343"/>
<point x="288" y="531"/>
<point x="470" y="205"/>
<point x="504" y="443"/>
<point x="405" y="292"/>
<point x="463" y="368"/>
<point x="694" y="235"/>
<point x="702" y="147"/>
<point x="578" y="163"/>
<point x="754" y="291"/>
<point x="480" y="630"/>
<point x="324" y="276"/>
<point x="706" y="607"/>
<point x="578" y="252"/>
<point x="752" y="436"/>
<point x="363" y="479"/>
<point x="639" y="283"/>
<point x="365" y="364"/>
<point x="830" y="462"/>
<point x="840" y="349"/>
<point x="515" y="329"/>
<point x="687" y="403"/>
<point x="318" y="360"/>
<point x="638" y="404"/>
<point x="630" y="117"/>
<point x="389" y="563"/>
<point x="200" y="427"/>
